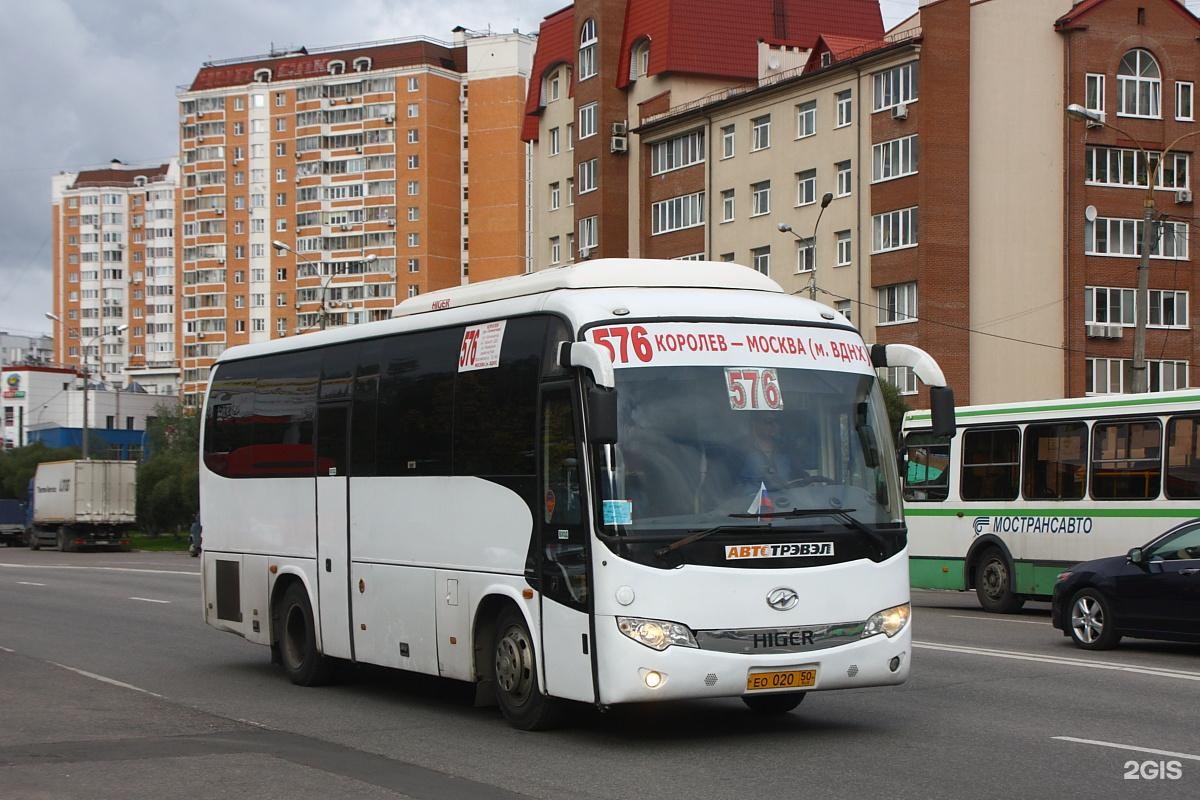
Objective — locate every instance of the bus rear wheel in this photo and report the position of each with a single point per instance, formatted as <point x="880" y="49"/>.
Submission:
<point x="304" y="664"/>
<point x="514" y="666"/>
<point x="773" y="703"/>
<point x="993" y="584"/>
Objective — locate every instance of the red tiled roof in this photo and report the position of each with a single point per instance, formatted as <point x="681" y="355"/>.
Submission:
<point x="303" y="65"/>
<point x="1072" y="18"/>
<point x="840" y="48"/>
<point x="715" y="38"/>
<point x="556" y="44"/>
<point x="118" y="176"/>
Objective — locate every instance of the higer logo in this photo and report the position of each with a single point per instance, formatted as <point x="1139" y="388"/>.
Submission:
<point x="782" y="598"/>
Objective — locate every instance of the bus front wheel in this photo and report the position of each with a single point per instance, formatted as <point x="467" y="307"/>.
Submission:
<point x="304" y="664"/>
<point x="993" y="584"/>
<point x="514" y="665"/>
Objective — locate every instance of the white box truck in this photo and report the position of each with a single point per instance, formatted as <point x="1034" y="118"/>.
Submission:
<point x="83" y="503"/>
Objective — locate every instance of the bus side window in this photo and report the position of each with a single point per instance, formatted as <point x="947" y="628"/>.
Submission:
<point x="416" y="397"/>
<point x="1183" y="458"/>
<point x="927" y="473"/>
<point x="1055" y="461"/>
<point x="1126" y="460"/>
<point x="991" y="464"/>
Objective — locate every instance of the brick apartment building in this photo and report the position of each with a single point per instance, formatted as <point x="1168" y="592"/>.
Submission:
<point x="356" y="158"/>
<point x="114" y="264"/>
<point x="960" y="191"/>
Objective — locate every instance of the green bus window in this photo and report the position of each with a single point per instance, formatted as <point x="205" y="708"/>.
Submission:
<point x="1055" y="461"/>
<point x="927" y="472"/>
<point x="991" y="464"/>
<point x="1126" y="460"/>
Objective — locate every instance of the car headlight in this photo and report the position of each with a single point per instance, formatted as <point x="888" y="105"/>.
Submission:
<point x="890" y="621"/>
<point x="657" y="634"/>
<point x="1062" y="576"/>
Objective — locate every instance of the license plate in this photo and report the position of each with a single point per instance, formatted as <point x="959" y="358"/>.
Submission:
<point x="781" y="679"/>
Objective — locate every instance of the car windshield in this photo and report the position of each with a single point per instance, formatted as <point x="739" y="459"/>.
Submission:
<point x="714" y="446"/>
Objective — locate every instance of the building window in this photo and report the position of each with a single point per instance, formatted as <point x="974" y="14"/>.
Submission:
<point x="414" y="240"/>
<point x="587" y="235"/>
<point x="1117" y="306"/>
<point x="1094" y="92"/>
<point x="555" y="196"/>
<point x="414" y="161"/>
<point x="550" y="89"/>
<point x="555" y="144"/>
<point x="727" y="205"/>
<point x="1183" y="101"/>
<point x="587" y="51"/>
<point x="414" y="188"/>
<point x="844" y="102"/>
<point x="895" y="230"/>
<point x="414" y="110"/>
<point x="894" y="159"/>
<point x="414" y="213"/>
<point x="727" y="258"/>
<point x="677" y="153"/>
<point x="806" y="119"/>
<point x="897" y="303"/>
<point x="760" y="259"/>
<point x="570" y="191"/>
<point x="845" y="178"/>
<point x="414" y="135"/>
<point x="844" y="248"/>
<point x="555" y="250"/>
<point x="677" y="213"/>
<point x="1120" y="166"/>
<point x="895" y="86"/>
<point x="414" y="265"/>
<point x="806" y="187"/>
<point x="413" y="290"/>
<point x="728" y="138"/>
<point x="414" y="84"/>
<point x="587" y="121"/>
<point x="1123" y="237"/>
<point x="1115" y="375"/>
<point x="760" y="133"/>
<point x="587" y="176"/>
<point x="1139" y="85"/>
<point x="903" y="378"/>
<point x="760" y="198"/>
<point x="570" y="136"/>
<point x="845" y="308"/>
<point x="806" y="255"/>
<point x="639" y="60"/>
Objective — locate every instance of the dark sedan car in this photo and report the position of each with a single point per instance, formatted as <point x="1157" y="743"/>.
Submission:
<point x="1152" y="592"/>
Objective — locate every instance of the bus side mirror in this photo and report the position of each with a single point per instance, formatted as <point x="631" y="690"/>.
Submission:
<point x="941" y="410"/>
<point x="601" y="414"/>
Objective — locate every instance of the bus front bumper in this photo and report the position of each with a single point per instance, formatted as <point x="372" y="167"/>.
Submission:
<point x="633" y="673"/>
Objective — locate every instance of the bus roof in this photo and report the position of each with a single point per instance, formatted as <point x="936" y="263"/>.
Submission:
<point x="604" y="273"/>
<point x="1071" y="408"/>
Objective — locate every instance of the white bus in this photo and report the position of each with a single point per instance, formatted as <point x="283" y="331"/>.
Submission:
<point x="1024" y="491"/>
<point x="614" y="482"/>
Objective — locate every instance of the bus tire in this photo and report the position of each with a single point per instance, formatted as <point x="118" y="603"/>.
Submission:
<point x="304" y="664"/>
<point x="772" y="704"/>
<point x="993" y="583"/>
<point x="514" y="663"/>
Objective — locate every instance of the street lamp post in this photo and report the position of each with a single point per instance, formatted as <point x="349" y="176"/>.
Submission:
<point x="826" y="199"/>
<point x="325" y="281"/>
<point x="1141" y="302"/>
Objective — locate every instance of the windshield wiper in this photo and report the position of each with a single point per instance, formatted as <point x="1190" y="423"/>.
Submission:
<point x="696" y="536"/>
<point x="840" y="514"/>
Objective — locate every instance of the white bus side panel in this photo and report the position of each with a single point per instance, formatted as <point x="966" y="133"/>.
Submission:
<point x="268" y="516"/>
<point x="333" y="567"/>
<point x="448" y="522"/>
<point x="394" y="616"/>
<point x="568" y="666"/>
<point x="454" y="644"/>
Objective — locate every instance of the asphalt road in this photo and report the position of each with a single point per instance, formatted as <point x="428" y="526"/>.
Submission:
<point x="111" y="686"/>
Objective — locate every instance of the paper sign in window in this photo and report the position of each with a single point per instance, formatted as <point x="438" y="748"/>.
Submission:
<point x="480" y="347"/>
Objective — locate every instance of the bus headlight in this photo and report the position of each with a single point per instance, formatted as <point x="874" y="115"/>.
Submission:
<point x="890" y="621"/>
<point x="657" y="634"/>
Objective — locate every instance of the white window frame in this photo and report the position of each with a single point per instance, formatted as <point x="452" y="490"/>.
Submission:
<point x="760" y="133"/>
<point x="555" y="249"/>
<point x="554" y="142"/>
<point x="844" y="103"/>
<point x="555" y="196"/>
<point x="806" y="255"/>
<point x="760" y="259"/>
<point x="1090" y="80"/>
<point x="806" y="187"/>
<point x="677" y="152"/>
<point x="844" y="241"/>
<point x="760" y="198"/>
<point x="1182" y="89"/>
<point x="728" y="141"/>
<point x="587" y="176"/>
<point x="895" y="86"/>
<point x="1126" y="234"/>
<point x="1115" y="370"/>
<point x="895" y="158"/>
<point x="677" y="213"/>
<point x="1133" y="83"/>
<point x="845" y="178"/>
<point x="587" y="120"/>
<point x="806" y="119"/>
<point x="1116" y="163"/>
<point x="587" y="50"/>
<point x="897" y="304"/>
<point x="902" y="229"/>
<point x="728" y="205"/>
<point x="588" y="234"/>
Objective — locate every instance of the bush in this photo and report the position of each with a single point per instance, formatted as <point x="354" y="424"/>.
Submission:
<point x="18" y="465"/>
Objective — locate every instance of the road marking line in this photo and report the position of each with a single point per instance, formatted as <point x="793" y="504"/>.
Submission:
<point x="1134" y="748"/>
<point x="7" y="650"/>
<point x="1160" y="672"/>
<point x="149" y="600"/>
<point x="30" y="583"/>
<point x="102" y="679"/>
<point x="108" y="569"/>
<point x="1000" y="619"/>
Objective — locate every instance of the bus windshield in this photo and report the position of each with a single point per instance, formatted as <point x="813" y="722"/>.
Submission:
<point x="705" y="446"/>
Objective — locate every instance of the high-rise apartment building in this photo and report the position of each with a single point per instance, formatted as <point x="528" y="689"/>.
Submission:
<point x="967" y="213"/>
<point x="372" y="164"/>
<point x="114" y="273"/>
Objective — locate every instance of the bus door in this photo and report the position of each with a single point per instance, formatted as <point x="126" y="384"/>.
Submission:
<point x="564" y="567"/>
<point x="333" y="531"/>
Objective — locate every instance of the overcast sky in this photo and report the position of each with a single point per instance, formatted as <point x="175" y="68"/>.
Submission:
<point x="85" y="81"/>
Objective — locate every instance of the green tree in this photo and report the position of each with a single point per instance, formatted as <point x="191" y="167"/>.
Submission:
<point x="18" y="465"/>
<point x="168" y="490"/>
<point x="896" y="407"/>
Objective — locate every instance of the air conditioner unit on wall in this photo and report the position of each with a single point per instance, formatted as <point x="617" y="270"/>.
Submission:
<point x="1099" y="330"/>
<point x="900" y="111"/>
<point x="620" y="128"/>
<point x="1183" y="197"/>
<point x="619" y="144"/>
